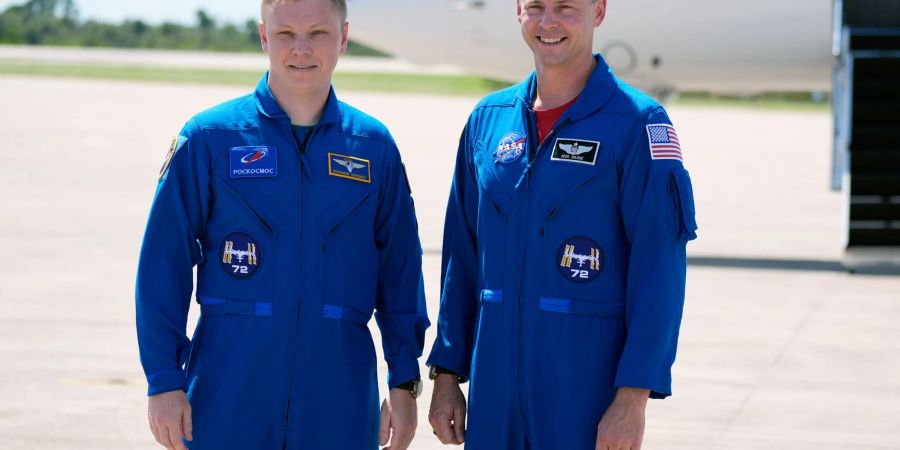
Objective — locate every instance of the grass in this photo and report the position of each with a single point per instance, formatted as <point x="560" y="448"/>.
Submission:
<point x="796" y="101"/>
<point x="376" y="82"/>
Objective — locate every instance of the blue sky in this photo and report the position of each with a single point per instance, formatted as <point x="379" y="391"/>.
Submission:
<point x="158" y="11"/>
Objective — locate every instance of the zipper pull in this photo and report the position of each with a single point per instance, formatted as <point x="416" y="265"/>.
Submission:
<point x="524" y="173"/>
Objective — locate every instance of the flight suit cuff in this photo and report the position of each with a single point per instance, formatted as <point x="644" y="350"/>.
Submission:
<point x="400" y="372"/>
<point x="659" y="386"/>
<point x="165" y="381"/>
<point x="449" y="364"/>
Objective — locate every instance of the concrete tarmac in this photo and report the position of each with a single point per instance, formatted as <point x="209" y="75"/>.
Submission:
<point x="779" y="347"/>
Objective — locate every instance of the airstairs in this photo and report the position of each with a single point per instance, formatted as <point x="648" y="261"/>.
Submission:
<point x="867" y="130"/>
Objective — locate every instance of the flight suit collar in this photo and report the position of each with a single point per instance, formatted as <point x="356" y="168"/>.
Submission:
<point x="268" y="107"/>
<point x="597" y="92"/>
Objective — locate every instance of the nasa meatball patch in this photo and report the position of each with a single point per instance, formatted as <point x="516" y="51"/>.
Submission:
<point x="510" y="148"/>
<point x="580" y="259"/>
<point x="576" y="151"/>
<point x="240" y="255"/>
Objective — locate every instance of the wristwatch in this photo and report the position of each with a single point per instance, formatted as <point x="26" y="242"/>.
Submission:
<point x="434" y="371"/>
<point x="413" y="386"/>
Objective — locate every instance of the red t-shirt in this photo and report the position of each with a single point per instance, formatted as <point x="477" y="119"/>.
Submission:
<point x="546" y="118"/>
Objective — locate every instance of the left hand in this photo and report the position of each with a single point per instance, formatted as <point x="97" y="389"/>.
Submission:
<point x="398" y="420"/>
<point x="622" y="425"/>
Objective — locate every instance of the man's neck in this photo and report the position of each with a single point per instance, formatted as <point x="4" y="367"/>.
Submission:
<point x="304" y="108"/>
<point x="557" y="85"/>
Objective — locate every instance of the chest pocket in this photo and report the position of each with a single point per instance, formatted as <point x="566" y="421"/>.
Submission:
<point x="241" y="240"/>
<point x="558" y="181"/>
<point x="497" y="181"/>
<point x="348" y="252"/>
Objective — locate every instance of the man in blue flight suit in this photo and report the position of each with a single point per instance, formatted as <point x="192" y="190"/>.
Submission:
<point x="564" y="253"/>
<point x="296" y="210"/>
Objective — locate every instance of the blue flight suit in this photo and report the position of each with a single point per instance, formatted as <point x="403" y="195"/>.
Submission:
<point x="296" y="242"/>
<point x="563" y="278"/>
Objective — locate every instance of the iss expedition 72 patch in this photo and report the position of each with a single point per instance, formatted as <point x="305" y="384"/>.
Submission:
<point x="241" y="255"/>
<point x="580" y="259"/>
<point x="575" y="151"/>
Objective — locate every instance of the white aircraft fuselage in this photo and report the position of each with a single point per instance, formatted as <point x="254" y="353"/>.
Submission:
<point x="698" y="45"/>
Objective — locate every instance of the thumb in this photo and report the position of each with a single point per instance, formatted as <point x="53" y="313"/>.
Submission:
<point x="187" y="424"/>
<point x="384" y="432"/>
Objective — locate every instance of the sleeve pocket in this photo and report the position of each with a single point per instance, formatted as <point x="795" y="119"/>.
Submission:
<point x="683" y="196"/>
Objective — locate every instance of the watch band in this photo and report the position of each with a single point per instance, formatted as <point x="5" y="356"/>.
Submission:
<point x="413" y="386"/>
<point x="434" y="371"/>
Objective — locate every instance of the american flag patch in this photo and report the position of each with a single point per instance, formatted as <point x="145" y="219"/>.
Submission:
<point x="664" y="142"/>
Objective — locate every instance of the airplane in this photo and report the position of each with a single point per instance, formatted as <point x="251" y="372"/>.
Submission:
<point x="348" y="164"/>
<point x="662" y="47"/>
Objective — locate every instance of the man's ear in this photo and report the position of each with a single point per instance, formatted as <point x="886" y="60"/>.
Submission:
<point x="263" y="38"/>
<point x="345" y="35"/>
<point x="599" y="12"/>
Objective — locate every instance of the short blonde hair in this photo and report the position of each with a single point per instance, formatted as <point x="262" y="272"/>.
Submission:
<point x="339" y="5"/>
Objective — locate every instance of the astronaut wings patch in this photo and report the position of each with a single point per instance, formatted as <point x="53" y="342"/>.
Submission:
<point x="664" y="143"/>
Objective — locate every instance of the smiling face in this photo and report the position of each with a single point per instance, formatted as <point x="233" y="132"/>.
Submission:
<point x="560" y="32"/>
<point x="303" y="39"/>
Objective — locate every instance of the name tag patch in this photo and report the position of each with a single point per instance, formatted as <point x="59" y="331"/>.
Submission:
<point x="576" y="151"/>
<point x="253" y="162"/>
<point x="349" y="167"/>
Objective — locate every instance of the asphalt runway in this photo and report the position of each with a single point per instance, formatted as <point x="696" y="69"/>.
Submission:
<point x="780" y="348"/>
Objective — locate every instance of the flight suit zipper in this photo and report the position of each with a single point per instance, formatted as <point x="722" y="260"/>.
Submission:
<point x="532" y="157"/>
<point x="301" y="151"/>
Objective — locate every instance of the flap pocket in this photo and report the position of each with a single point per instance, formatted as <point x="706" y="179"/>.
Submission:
<point x="568" y="306"/>
<point x="684" y="205"/>
<point x="255" y="210"/>
<point x="330" y="219"/>
<point x="211" y="306"/>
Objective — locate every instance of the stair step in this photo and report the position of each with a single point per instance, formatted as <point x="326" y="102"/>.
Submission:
<point x="882" y="211"/>
<point x="875" y="136"/>
<point x="874" y="42"/>
<point x="876" y="112"/>
<point x="884" y="237"/>
<point x="874" y="183"/>
<point x="872" y="13"/>
<point x="872" y="89"/>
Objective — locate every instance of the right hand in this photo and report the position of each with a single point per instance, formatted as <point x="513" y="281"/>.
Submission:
<point x="170" y="419"/>
<point x="448" y="410"/>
